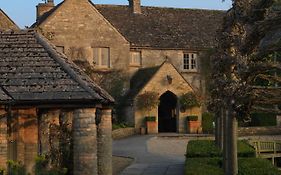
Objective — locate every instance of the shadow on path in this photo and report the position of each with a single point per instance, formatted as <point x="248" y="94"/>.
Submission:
<point x="154" y="155"/>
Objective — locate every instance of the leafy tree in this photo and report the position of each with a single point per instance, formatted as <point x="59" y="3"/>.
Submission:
<point x="242" y="58"/>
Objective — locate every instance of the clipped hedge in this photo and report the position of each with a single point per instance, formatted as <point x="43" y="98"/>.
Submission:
<point x="207" y="122"/>
<point x="213" y="166"/>
<point x="262" y="119"/>
<point x="203" y="166"/>
<point x="256" y="166"/>
<point x="208" y="148"/>
<point x="202" y="148"/>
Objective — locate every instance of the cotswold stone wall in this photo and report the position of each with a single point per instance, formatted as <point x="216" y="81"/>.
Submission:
<point x="123" y="133"/>
<point x="6" y="23"/>
<point x="79" y="31"/>
<point x="160" y="85"/>
<point x="3" y="141"/>
<point x="252" y="131"/>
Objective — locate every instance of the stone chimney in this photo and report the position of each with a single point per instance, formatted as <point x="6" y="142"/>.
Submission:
<point x="135" y="6"/>
<point x="44" y="7"/>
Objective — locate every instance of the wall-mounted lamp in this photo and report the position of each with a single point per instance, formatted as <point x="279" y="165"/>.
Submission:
<point x="170" y="79"/>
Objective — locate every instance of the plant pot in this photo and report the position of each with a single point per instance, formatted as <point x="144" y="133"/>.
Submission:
<point x="152" y="127"/>
<point x="194" y="127"/>
<point x="142" y="131"/>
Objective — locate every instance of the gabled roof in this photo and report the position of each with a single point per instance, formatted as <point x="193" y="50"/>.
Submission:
<point x="6" y="23"/>
<point x="165" y="27"/>
<point x="160" y="27"/>
<point x="32" y="70"/>
<point x="4" y="96"/>
<point x="144" y="76"/>
<point x="140" y="79"/>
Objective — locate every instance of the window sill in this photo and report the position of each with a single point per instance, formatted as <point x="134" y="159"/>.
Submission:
<point x="102" y="69"/>
<point x="190" y="71"/>
<point x="135" y="65"/>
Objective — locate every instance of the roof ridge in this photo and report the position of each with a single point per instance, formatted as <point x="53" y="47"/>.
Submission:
<point x="102" y="95"/>
<point x="159" y="7"/>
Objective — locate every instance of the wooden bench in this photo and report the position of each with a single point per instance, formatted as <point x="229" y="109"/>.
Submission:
<point x="267" y="149"/>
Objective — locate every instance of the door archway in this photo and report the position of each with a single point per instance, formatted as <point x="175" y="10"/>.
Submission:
<point x="167" y="115"/>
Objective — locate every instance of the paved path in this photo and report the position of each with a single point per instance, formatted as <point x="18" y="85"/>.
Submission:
<point x="154" y="155"/>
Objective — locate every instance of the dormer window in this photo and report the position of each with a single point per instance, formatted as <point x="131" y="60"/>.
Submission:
<point x="190" y="62"/>
<point x="101" y="57"/>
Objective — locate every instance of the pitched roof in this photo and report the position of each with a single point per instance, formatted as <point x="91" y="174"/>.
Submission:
<point x="4" y="96"/>
<point x="165" y="27"/>
<point x="6" y="23"/>
<point x="140" y="79"/>
<point x="160" y="27"/>
<point x="32" y="70"/>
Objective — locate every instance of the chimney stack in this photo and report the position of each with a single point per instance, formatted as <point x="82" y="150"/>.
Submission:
<point x="42" y="8"/>
<point x="135" y="6"/>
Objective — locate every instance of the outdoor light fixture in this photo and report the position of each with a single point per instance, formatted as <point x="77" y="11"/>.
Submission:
<point x="170" y="79"/>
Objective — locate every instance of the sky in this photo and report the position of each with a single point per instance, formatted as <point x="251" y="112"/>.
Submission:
<point x="23" y="12"/>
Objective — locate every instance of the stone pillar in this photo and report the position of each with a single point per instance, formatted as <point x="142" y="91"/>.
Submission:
<point x="47" y="119"/>
<point x="3" y="142"/>
<point x="84" y="142"/>
<point x="27" y="138"/>
<point x="105" y="143"/>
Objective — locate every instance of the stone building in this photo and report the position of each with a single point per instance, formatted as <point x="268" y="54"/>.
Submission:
<point x="40" y="88"/>
<point x="127" y="39"/>
<point x="7" y="23"/>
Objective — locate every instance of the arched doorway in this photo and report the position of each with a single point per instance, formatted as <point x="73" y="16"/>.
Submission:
<point x="167" y="115"/>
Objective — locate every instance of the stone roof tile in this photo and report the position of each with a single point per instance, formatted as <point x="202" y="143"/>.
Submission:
<point x="32" y="70"/>
<point x="165" y="27"/>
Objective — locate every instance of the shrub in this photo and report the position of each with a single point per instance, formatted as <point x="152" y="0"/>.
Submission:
<point x="202" y="148"/>
<point x="207" y="122"/>
<point x="150" y="118"/>
<point x="118" y="126"/>
<point x="42" y="167"/>
<point x="192" y="118"/>
<point x="203" y="166"/>
<point x="262" y="119"/>
<point x="2" y="171"/>
<point x="15" y="168"/>
<point x="256" y="166"/>
<point x="188" y="100"/>
<point x="147" y="101"/>
<point x="208" y="148"/>
<point x="213" y="166"/>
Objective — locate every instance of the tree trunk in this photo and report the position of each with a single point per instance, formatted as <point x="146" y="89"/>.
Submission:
<point x="232" y="144"/>
<point x="221" y="129"/>
<point x="217" y="129"/>
<point x="225" y="142"/>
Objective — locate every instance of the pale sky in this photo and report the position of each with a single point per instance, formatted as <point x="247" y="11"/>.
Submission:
<point x="23" y="12"/>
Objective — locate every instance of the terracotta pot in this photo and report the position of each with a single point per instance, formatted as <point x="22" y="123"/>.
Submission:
<point x="194" y="127"/>
<point x="152" y="127"/>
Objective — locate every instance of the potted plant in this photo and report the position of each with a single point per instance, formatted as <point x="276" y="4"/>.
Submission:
<point x="146" y="102"/>
<point x="193" y="124"/>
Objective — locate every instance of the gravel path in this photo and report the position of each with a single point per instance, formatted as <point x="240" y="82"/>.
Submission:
<point x="154" y="155"/>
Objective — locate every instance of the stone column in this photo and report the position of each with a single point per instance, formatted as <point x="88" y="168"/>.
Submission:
<point x="48" y="118"/>
<point x="3" y="142"/>
<point x="105" y="143"/>
<point x="27" y="138"/>
<point x="84" y="142"/>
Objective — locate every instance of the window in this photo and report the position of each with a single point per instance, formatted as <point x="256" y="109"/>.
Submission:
<point x="60" y="49"/>
<point x="135" y="58"/>
<point x="101" y="57"/>
<point x="190" y="61"/>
